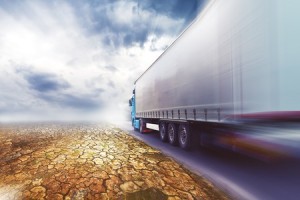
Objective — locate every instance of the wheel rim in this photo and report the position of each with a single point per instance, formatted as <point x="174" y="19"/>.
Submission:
<point x="183" y="135"/>
<point x="171" y="133"/>
<point x="163" y="132"/>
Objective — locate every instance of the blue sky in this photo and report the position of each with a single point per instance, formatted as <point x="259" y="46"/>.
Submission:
<point x="78" y="60"/>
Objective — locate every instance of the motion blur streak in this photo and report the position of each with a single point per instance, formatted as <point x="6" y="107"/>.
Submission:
<point x="266" y="139"/>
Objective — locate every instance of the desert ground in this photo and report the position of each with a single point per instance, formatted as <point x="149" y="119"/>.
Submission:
<point x="90" y="161"/>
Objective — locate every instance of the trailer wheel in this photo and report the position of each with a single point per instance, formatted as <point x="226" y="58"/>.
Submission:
<point x="172" y="134"/>
<point x="184" y="137"/>
<point x="163" y="132"/>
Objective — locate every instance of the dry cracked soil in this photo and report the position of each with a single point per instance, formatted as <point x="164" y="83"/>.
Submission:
<point x="90" y="161"/>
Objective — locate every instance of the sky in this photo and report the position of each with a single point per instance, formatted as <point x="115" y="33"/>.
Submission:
<point x="78" y="60"/>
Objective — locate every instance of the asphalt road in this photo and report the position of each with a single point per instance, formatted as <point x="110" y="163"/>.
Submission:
<point x="240" y="176"/>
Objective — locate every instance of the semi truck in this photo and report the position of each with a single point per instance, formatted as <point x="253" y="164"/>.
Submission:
<point x="236" y="66"/>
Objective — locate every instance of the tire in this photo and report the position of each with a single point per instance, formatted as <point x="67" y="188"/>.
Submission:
<point x="163" y="132"/>
<point x="185" y="137"/>
<point x="134" y="126"/>
<point x="172" y="134"/>
<point x="141" y="129"/>
<point x="136" y="129"/>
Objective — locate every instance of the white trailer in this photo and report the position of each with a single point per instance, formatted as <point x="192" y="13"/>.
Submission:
<point x="240" y="59"/>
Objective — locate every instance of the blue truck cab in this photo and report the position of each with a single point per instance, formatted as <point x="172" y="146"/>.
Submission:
<point x="135" y="122"/>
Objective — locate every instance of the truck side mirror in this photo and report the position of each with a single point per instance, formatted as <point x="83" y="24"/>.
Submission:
<point x="130" y="102"/>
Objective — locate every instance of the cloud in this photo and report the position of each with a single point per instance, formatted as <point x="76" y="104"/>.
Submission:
<point x="130" y="23"/>
<point x="44" y="82"/>
<point x="85" y="102"/>
<point x="173" y="9"/>
<point x="61" y="59"/>
<point x="53" y="90"/>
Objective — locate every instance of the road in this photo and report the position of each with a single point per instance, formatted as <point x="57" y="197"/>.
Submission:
<point x="240" y="176"/>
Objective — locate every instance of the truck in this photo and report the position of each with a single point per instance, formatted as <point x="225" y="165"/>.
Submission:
<point x="232" y="74"/>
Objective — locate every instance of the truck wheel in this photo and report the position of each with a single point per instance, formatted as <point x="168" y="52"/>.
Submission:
<point x="173" y="134"/>
<point x="134" y="128"/>
<point x="163" y="132"/>
<point x="184" y="137"/>
<point x="142" y="127"/>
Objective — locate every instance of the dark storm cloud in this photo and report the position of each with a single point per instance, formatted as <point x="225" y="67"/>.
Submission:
<point x="186" y="9"/>
<point x="40" y="81"/>
<point x="139" y="37"/>
<point x="51" y="89"/>
<point x="45" y="82"/>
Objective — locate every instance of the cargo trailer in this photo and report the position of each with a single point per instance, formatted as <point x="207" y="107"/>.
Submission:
<point x="238" y="62"/>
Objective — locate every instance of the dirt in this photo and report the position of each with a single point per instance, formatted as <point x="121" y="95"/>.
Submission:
<point x="90" y="161"/>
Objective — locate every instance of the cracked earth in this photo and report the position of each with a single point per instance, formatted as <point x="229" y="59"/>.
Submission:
<point x="71" y="161"/>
